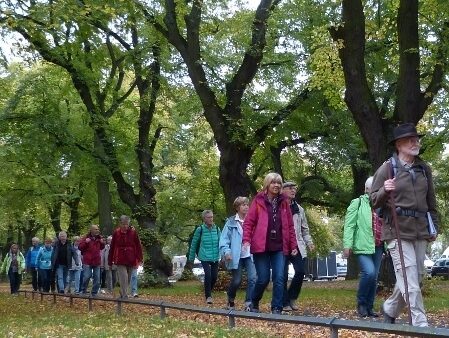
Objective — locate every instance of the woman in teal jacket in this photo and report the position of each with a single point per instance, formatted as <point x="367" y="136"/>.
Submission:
<point x="205" y="244"/>
<point x="13" y="265"/>
<point x="361" y="236"/>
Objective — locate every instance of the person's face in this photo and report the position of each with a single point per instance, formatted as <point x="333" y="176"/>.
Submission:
<point x="63" y="237"/>
<point x="14" y="248"/>
<point x="243" y="209"/>
<point x="48" y="244"/>
<point x="274" y="188"/>
<point x="124" y="225"/>
<point x="94" y="230"/>
<point x="290" y="192"/>
<point x="109" y="240"/>
<point x="409" y="146"/>
<point x="209" y="219"/>
<point x="35" y="242"/>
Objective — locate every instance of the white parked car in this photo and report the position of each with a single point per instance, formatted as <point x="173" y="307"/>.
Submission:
<point x="198" y="270"/>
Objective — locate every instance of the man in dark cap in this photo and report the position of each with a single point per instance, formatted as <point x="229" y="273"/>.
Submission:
<point x="409" y="180"/>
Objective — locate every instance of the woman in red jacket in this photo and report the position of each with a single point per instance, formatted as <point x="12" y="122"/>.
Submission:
<point x="268" y="230"/>
<point x="125" y="252"/>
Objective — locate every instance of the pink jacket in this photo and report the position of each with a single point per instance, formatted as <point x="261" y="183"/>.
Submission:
<point x="255" y="226"/>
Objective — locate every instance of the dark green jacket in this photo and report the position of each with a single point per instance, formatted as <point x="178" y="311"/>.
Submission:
<point x="208" y="240"/>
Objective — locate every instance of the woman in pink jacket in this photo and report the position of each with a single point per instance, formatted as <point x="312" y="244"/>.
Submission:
<point x="268" y="230"/>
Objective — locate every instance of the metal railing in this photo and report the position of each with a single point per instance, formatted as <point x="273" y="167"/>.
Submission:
<point x="334" y="324"/>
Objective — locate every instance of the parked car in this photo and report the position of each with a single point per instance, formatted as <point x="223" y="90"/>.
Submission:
<point x="428" y="263"/>
<point x="198" y="270"/>
<point x="342" y="269"/>
<point x="440" y="268"/>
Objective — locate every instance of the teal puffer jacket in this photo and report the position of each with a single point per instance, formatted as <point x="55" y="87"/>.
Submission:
<point x="207" y="239"/>
<point x="358" y="231"/>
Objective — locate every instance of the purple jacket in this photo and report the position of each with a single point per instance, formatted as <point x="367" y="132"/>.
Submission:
<point x="255" y="226"/>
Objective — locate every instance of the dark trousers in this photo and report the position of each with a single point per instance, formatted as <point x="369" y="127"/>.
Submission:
<point x="44" y="279"/>
<point x="296" y="283"/>
<point x="34" y="279"/>
<point x="14" y="281"/>
<point x="52" y="280"/>
<point x="210" y="276"/>
<point x="103" y="278"/>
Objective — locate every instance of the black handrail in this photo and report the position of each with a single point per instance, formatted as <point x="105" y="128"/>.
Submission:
<point x="333" y="323"/>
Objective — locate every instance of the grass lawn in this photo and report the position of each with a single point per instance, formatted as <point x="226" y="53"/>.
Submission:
<point x="24" y="317"/>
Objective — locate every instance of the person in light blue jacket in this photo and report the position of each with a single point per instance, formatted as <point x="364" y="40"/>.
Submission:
<point x="43" y="262"/>
<point x="235" y="256"/>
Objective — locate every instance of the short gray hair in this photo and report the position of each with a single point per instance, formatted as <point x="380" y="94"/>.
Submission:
<point x="368" y="184"/>
<point x="124" y="219"/>
<point x="206" y="212"/>
<point x="35" y="239"/>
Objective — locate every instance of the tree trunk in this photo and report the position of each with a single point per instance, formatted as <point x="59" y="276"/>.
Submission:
<point x="276" y="159"/>
<point x="232" y="175"/>
<point x="55" y="216"/>
<point x="104" y="200"/>
<point x="74" y="221"/>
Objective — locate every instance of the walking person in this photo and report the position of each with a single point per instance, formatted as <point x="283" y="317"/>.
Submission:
<point x="74" y="277"/>
<point x="13" y="265"/>
<point x="90" y="247"/>
<point x="63" y="253"/>
<point x="409" y="180"/>
<point x="111" y="271"/>
<point x="31" y="263"/>
<point x="236" y="259"/>
<point x="362" y="237"/>
<point x="303" y="241"/>
<point x="44" y="264"/>
<point x="205" y="245"/>
<point x="125" y="252"/>
<point x="269" y="234"/>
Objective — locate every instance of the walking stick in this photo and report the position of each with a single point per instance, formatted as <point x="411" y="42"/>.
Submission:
<point x="394" y="219"/>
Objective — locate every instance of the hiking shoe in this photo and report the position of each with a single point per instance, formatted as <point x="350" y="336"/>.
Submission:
<point x="252" y="308"/>
<point x="387" y="318"/>
<point x="287" y="308"/>
<point x="276" y="311"/>
<point x="372" y="314"/>
<point x="231" y="305"/>
<point x="135" y="295"/>
<point x="209" y="300"/>
<point x="362" y="311"/>
<point x="293" y="305"/>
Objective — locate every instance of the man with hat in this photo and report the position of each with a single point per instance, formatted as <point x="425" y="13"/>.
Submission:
<point x="303" y="240"/>
<point x="409" y="180"/>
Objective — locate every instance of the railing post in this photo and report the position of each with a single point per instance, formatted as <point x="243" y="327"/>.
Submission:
<point x="54" y="298"/>
<point x="231" y="321"/>
<point x="71" y="301"/>
<point x="90" y="304"/>
<point x="42" y="297"/>
<point x="25" y="293"/>
<point x="334" y="332"/>
<point x="119" y="308"/>
<point x="163" y="313"/>
<point x="32" y="295"/>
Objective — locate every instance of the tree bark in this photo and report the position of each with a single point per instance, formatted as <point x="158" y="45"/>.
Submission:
<point x="55" y="216"/>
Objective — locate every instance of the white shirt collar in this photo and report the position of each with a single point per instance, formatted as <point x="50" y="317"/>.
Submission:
<point x="237" y="218"/>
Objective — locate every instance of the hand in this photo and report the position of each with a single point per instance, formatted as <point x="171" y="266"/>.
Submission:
<point x="294" y="252"/>
<point x="311" y="246"/>
<point x="228" y="257"/>
<point x="346" y="252"/>
<point x="389" y="185"/>
<point x="102" y="240"/>
<point x="433" y="238"/>
<point x="87" y="240"/>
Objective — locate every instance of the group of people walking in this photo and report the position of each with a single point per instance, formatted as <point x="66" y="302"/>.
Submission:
<point x="397" y="213"/>
<point x="261" y="238"/>
<point x="65" y="266"/>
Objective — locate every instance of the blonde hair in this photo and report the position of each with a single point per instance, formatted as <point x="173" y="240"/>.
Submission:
<point x="271" y="177"/>
<point x="239" y="201"/>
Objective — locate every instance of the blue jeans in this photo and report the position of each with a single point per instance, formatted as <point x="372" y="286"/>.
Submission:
<point x="44" y="276"/>
<point x="61" y="277"/>
<point x="133" y="283"/>
<point x="94" y="272"/>
<point x="248" y="265"/>
<point x="74" y="280"/>
<point x="210" y="276"/>
<point x="263" y="262"/>
<point x="369" y="270"/>
<point x="296" y="283"/>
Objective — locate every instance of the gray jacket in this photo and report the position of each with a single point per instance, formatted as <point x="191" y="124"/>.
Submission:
<point x="302" y="232"/>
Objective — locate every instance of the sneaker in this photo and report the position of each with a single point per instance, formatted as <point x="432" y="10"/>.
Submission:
<point x="293" y="305"/>
<point x="287" y="308"/>
<point x="135" y="295"/>
<point x="102" y="291"/>
<point x="231" y="305"/>
<point x="372" y="314"/>
<point x="209" y="300"/>
<point x="252" y="308"/>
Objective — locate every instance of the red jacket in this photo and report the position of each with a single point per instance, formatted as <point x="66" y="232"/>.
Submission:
<point x="91" y="251"/>
<point x="125" y="248"/>
<point x="255" y="226"/>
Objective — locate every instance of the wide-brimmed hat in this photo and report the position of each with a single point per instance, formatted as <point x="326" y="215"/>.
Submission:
<point x="404" y="130"/>
<point x="289" y="184"/>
